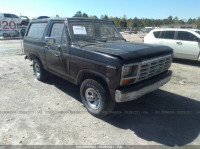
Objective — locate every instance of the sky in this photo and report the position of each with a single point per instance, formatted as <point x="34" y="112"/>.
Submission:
<point x="156" y="9"/>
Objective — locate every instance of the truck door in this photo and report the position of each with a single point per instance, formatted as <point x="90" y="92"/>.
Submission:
<point x="57" y="54"/>
<point x="186" y="46"/>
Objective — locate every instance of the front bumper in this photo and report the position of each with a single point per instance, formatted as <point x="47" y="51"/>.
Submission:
<point x="145" y="87"/>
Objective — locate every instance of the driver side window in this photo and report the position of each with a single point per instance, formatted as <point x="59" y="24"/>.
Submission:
<point x="187" y="36"/>
<point x="57" y="32"/>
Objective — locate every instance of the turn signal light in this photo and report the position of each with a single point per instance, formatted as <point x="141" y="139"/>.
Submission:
<point x="126" y="81"/>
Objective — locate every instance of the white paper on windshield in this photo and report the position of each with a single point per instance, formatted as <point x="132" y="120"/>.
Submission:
<point x="79" y="30"/>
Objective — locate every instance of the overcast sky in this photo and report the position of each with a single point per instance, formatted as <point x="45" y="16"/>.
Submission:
<point x="157" y="9"/>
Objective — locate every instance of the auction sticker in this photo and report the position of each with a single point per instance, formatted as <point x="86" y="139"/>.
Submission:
<point x="79" y="30"/>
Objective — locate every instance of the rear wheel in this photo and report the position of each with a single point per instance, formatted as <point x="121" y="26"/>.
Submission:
<point x="39" y="72"/>
<point x="95" y="98"/>
<point x="5" y="35"/>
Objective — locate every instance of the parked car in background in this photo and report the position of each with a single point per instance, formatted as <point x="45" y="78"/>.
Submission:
<point x="25" y="20"/>
<point x="21" y="30"/>
<point x="41" y="17"/>
<point x="185" y="42"/>
<point x="134" y="30"/>
<point x="13" y="33"/>
<point x="10" y="17"/>
<point x="147" y="29"/>
<point x="131" y="30"/>
<point x="9" y="33"/>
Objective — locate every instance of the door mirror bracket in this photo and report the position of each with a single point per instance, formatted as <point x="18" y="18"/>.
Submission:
<point x="49" y="40"/>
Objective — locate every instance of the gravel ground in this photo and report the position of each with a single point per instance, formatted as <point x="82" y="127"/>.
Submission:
<point x="133" y="37"/>
<point x="51" y="113"/>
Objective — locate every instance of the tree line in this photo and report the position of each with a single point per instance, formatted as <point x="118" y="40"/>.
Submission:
<point x="144" y="22"/>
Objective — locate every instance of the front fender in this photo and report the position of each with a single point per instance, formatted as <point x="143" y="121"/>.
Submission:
<point x="91" y="73"/>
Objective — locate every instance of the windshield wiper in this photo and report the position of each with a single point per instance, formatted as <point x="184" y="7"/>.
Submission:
<point x="113" y="37"/>
<point x="88" y="44"/>
<point x="91" y="39"/>
<point x="117" y="38"/>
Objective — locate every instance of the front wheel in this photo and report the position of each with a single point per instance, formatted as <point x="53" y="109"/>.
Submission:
<point x="22" y="33"/>
<point x="95" y="98"/>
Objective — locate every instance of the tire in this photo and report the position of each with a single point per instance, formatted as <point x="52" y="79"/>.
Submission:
<point x="5" y="35"/>
<point x="39" y="71"/>
<point x="22" y="33"/>
<point x="95" y="98"/>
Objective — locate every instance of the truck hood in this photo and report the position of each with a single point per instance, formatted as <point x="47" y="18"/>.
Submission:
<point x="131" y="52"/>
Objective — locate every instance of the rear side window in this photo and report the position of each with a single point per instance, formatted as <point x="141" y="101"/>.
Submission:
<point x="36" y="30"/>
<point x="14" y="16"/>
<point x="169" y="34"/>
<point x="7" y="15"/>
<point x="156" y="34"/>
<point x="186" y="36"/>
<point x="164" y="34"/>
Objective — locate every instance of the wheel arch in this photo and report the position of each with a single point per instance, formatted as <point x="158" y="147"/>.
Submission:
<point x="33" y="56"/>
<point x="90" y="74"/>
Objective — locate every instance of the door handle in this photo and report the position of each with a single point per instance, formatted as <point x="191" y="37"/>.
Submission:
<point x="179" y="43"/>
<point x="51" y="51"/>
<point x="54" y="54"/>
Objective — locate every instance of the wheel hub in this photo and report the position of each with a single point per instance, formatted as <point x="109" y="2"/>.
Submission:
<point x="93" y="98"/>
<point x="37" y="70"/>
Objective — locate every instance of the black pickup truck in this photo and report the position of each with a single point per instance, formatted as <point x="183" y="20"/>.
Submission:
<point x="93" y="54"/>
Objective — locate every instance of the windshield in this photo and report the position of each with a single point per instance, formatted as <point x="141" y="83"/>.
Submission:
<point x="93" y="32"/>
<point x="198" y="32"/>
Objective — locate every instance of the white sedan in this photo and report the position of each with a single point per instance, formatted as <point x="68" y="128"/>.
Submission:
<point x="185" y="42"/>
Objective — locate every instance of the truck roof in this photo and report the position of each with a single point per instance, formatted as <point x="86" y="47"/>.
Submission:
<point x="70" y="19"/>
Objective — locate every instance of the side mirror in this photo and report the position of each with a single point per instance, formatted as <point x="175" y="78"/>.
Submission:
<point x="49" y="40"/>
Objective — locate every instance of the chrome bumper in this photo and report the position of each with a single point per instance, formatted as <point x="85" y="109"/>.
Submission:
<point x="121" y="96"/>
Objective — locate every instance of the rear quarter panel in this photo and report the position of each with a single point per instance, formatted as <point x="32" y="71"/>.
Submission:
<point x="33" y="46"/>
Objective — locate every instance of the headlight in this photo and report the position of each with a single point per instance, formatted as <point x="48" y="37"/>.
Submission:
<point x="129" y="74"/>
<point x="127" y="71"/>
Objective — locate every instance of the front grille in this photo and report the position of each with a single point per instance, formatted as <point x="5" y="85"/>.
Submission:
<point x="153" y="67"/>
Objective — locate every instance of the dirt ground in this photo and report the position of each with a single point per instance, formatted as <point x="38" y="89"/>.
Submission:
<point x="51" y="113"/>
<point x="133" y="37"/>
